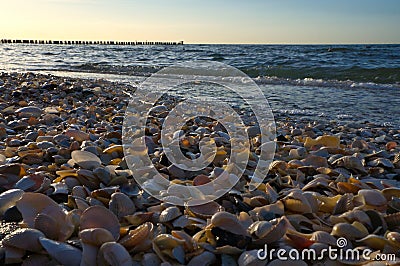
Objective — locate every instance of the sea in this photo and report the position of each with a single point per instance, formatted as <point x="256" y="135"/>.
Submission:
<point x="349" y="84"/>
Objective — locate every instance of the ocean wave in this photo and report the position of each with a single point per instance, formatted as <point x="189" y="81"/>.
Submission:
<point x="324" y="83"/>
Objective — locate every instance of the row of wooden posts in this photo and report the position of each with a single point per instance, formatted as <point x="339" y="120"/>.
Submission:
<point x="89" y="42"/>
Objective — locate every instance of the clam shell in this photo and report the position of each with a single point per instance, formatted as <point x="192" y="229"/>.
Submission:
<point x="203" y="211"/>
<point x="260" y="228"/>
<point x="100" y="217"/>
<point x="323" y="237"/>
<point x="393" y="219"/>
<point x="138" y="236"/>
<point x="121" y="205"/>
<point x="351" y="163"/>
<point x="169" y="214"/>
<point x="9" y="198"/>
<point x="96" y="236"/>
<point x="48" y="225"/>
<point x="86" y="160"/>
<point x="373" y="198"/>
<point x="62" y="252"/>
<point x="204" y="259"/>
<point x="24" y="239"/>
<point x="228" y="222"/>
<point x="278" y="230"/>
<point x="374" y="241"/>
<point x="32" y="204"/>
<point x="348" y="231"/>
<point x="139" y="218"/>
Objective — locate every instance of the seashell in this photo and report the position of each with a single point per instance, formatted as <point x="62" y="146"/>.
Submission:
<point x="374" y="241"/>
<point x="344" y="204"/>
<point x="391" y="192"/>
<point x="138" y="237"/>
<point x="299" y="241"/>
<point x="250" y="258"/>
<point x="61" y="252"/>
<point x="373" y="198"/>
<point x="394" y="238"/>
<point x="381" y="162"/>
<point x="34" y="183"/>
<point x="189" y="244"/>
<point x="114" y="148"/>
<point x="24" y="239"/>
<point x="346" y="187"/>
<point x="206" y="258"/>
<point x="89" y="253"/>
<point x="352" y="216"/>
<point x="121" y="205"/>
<point x="272" y="195"/>
<point x="203" y="211"/>
<point x="348" y="231"/>
<point x="100" y="217"/>
<point x="32" y="204"/>
<point x="277" y="209"/>
<point x="86" y="178"/>
<point x="9" y="198"/>
<point x="325" y="141"/>
<point x="315" y="161"/>
<point x="86" y="160"/>
<point x="260" y="228"/>
<point x="103" y="174"/>
<point x="278" y="230"/>
<point x="77" y="135"/>
<point x="139" y="218"/>
<point x="228" y="222"/>
<point x="278" y="167"/>
<point x="164" y="244"/>
<point x="169" y="214"/>
<point x="323" y="237"/>
<point x="227" y="249"/>
<point x="96" y="236"/>
<point x="48" y="225"/>
<point x="351" y="163"/>
<point x="392" y="220"/>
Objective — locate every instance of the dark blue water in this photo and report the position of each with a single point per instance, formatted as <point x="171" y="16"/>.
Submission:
<point x="340" y="82"/>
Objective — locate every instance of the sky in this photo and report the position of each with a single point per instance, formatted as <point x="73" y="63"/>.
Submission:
<point x="204" y="21"/>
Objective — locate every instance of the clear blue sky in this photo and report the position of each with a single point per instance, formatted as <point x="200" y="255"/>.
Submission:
<point x="204" y="21"/>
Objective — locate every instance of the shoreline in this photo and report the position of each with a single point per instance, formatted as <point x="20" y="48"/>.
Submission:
<point x="320" y="170"/>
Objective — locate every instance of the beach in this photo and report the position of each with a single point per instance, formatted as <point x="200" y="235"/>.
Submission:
<point x="66" y="187"/>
